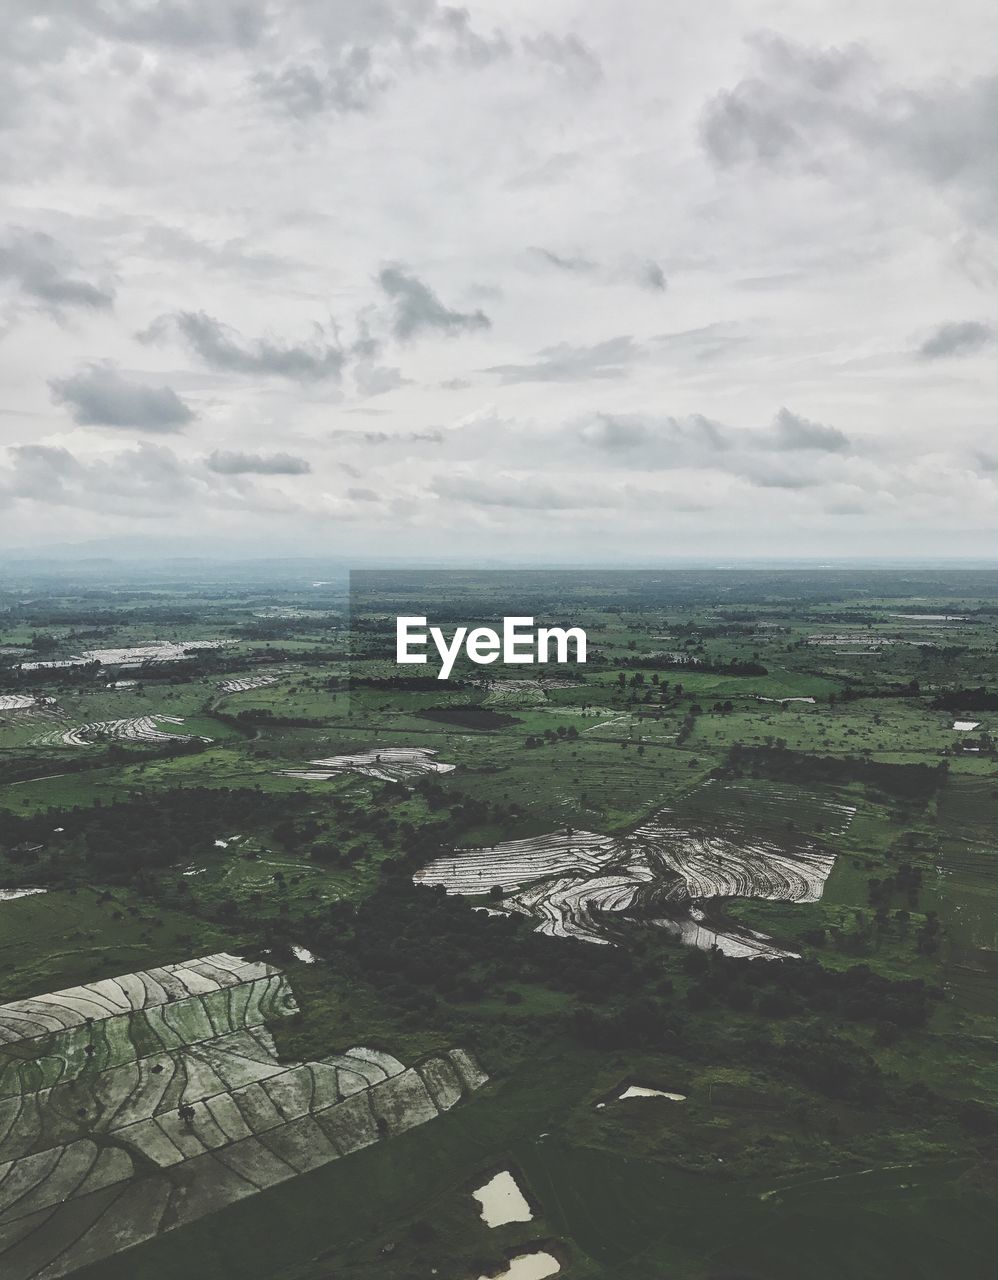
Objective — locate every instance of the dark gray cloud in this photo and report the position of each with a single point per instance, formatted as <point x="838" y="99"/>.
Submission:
<point x="568" y="363"/>
<point x="798" y="96"/>
<point x="360" y="55"/>
<point x="575" y="263"/>
<point x="958" y="338"/>
<point x="791" y="453"/>
<point x="44" y="271"/>
<point x="652" y="276"/>
<point x="98" y="396"/>
<point x="657" y="440"/>
<point x="303" y="90"/>
<point x="825" y="109"/>
<point x="223" y="348"/>
<point x="416" y="308"/>
<point x="144" y="482"/>
<point x="469" y="46"/>
<point x="322" y="57"/>
<point x="40" y="472"/>
<point x="259" y="464"/>
<point x="790" y="431"/>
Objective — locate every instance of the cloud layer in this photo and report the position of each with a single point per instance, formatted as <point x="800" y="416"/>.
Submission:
<point x="408" y="278"/>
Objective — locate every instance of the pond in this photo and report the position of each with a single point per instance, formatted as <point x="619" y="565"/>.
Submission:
<point x="502" y="1201"/>
<point x="528" y="1266"/>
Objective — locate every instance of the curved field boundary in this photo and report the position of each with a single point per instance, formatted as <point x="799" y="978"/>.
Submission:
<point x="136" y="729"/>
<point x="245" y="683"/>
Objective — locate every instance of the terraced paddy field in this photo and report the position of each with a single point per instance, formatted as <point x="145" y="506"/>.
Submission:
<point x="109" y="1090"/>
<point x="389" y="764"/>
<point x="141" y="729"/>
<point x="575" y="882"/>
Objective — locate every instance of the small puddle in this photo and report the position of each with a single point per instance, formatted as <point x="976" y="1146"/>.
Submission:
<point x="302" y="953"/>
<point x="527" y="1266"/>
<point x="502" y="1201"/>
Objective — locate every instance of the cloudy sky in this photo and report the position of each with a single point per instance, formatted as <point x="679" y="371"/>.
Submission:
<point x="569" y="278"/>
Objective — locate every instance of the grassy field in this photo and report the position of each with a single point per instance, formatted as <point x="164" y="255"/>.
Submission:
<point x="608" y="1213"/>
<point x="55" y="939"/>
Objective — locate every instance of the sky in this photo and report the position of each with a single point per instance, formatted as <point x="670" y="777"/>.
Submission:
<point x="554" y="280"/>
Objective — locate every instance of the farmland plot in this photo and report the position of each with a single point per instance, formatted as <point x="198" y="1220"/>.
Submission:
<point x="22" y="728"/>
<point x="53" y="664"/>
<point x="390" y="764"/>
<point x="140" y="655"/>
<point x="768" y="806"/>
<point x="153" y="652"/>
<point x="16" y="702"/>
<point x="665" y="873"/>
<point x="136" y="729"/>
<point x="522" y="693"/>
<point x="245" y="683"/>
<point x="135" y="1105"/>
